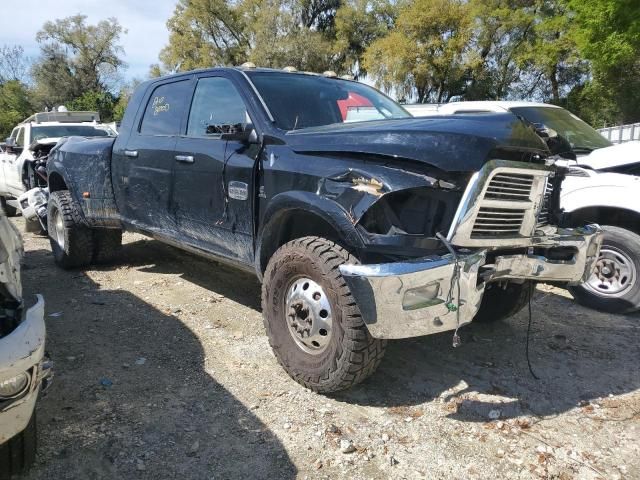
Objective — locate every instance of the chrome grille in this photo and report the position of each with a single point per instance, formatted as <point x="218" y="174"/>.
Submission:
<point x="492" y="222"/>
<point x="510" y="186"/>
<point x="544" y="215"/>
<point x="500" y="205"/>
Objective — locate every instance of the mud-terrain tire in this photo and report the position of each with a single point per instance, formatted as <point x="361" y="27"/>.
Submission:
<point x="350" y="353"/>
<point x="8" y="210"/>
<point x="620" y="253"/>
<point x="500" y="303"/>
<point x="19" y="453"/>
<point x="107" y="245"/>
<point x="71" y="240"/>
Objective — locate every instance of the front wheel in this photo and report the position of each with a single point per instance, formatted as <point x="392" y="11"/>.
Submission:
<point x="613" y="287"/>
<point x="312" y="320"/>
<point x="71" y="240"/>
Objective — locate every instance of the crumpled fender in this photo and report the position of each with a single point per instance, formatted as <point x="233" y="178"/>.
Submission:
<point x="356" y="190"/>
<point x="327" y="209"/>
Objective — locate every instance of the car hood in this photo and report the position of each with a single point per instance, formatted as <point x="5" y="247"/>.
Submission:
<point x="456" y="143"/>
<point x="610" y="157"/>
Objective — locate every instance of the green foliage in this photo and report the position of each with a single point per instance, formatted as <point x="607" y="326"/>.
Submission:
<point x="101" y="102"/>
<point x="15" y="105"/>
<point x="358" y="23"/>
<point x="607" y="33"/>
<point x="76" y="58"/>
<point x="428" y="51"/>
<point x="271" y="33"/>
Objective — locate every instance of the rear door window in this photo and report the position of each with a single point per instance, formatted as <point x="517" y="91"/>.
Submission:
<point x="166" y="106"/>
<point x="216" y="106"/>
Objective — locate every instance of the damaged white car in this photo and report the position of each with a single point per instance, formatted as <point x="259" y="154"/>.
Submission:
<point x="24" y="154"/>
<point x="24" y="371"/>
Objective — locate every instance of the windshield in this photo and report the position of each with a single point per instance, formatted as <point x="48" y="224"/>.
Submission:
<point x="57" y="131"/>
<point x="579" y="134"/>
<point x="301" y="101"/>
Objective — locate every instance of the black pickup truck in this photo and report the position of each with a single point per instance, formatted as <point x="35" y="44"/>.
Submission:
<point x="363" y="223"/>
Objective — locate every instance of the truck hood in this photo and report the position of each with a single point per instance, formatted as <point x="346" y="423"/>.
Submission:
<point x="610" y="157"/>
<point x="455" y="143"/>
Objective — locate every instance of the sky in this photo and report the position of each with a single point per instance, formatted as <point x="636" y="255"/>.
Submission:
<point x="145" y="21"/>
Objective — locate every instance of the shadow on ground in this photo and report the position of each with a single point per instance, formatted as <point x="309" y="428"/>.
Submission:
<point x="578" y="354"/>
<point x="149" y="409"/>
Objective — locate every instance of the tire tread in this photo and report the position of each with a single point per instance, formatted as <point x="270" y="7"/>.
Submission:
<point x="360" y="353"/>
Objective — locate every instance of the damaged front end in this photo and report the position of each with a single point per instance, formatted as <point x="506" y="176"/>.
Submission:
<point x="503" y="229"/>
<point x="24" y="372"/>
<point x="33" y="205"/>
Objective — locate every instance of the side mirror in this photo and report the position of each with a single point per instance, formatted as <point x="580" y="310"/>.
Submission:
<point x="556" y="143"/>
<point x="11" y="146"/>
<point x="237" y="133"/>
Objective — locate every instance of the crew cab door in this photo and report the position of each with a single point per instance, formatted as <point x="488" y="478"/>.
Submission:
<point x="5" y="162"/>
<point x="11" y="165"/>
<point x="213" y="183"/>
<point x="143" y="163"/>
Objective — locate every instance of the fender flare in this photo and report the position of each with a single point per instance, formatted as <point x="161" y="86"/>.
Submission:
<point x="309" y="202"/>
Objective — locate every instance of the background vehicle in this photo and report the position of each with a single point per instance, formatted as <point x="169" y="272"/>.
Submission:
<point x="23" y="370"/>
<point x="23" y="162"/>
<point x="361" y="231"/>
<point x="602" y="187"/>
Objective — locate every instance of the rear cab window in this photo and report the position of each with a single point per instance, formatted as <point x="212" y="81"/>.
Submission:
<point x="165" y="109"/>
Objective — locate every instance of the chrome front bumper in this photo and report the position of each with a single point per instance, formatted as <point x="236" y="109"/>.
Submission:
<point x="420" y="297"/>
<point x="23" y="351"/>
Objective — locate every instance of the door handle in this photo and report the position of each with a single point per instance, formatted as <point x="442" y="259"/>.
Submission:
<point x="131" y="153"/>
<point x="184" y="158"/>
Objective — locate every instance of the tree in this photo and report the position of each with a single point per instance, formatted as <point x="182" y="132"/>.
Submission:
<point x="551" y="56"/>
<point x="77" y="57"/>
<point x="101" y="102"/>
<point x="502" y="29"/>
<point x="15" y="105"/>
<point x="607" y="33"/>
<point x="278" y="36"/>
<point x="270" y="33"/>
<point x="427" y="54"/>
<point x="358" y="23"/>
<point x="14" y="65"/>
<point x="204" y="33"/>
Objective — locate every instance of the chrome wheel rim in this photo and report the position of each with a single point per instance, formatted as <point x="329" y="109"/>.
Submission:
<point x="58" y="225"/>
<point x="614" y="275"/>
<point x="308" y="315"/>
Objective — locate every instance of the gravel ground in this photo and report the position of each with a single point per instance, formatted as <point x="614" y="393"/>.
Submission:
<point x="163" y="371"/>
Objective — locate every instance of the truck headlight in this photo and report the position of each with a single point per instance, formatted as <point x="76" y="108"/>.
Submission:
<point x="13" y="387"/>
<point x="37" y="197"/>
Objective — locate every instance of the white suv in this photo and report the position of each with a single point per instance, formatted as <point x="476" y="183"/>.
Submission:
<point x="602" y="187"/>
<point x="30" y="142"/>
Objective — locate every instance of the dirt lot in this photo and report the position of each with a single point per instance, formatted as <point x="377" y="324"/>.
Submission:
<point x="163" y="371"/>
